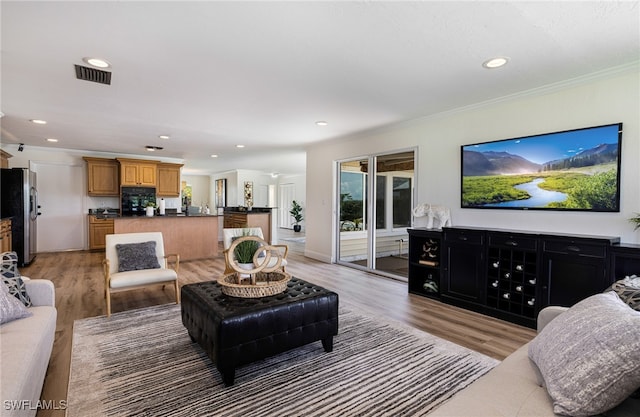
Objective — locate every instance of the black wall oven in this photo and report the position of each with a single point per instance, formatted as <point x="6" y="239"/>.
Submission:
<point x="135" y="199"/>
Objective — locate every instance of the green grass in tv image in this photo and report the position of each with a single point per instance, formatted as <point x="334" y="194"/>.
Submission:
<point x="588" y="188"/>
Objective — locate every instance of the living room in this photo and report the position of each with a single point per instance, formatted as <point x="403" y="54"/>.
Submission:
<point x="604" y="96"/>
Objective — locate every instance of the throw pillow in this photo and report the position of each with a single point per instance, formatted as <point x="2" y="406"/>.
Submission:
<point x="10" y="308"/>
<point x="136" y="256"/>
<point x="11" y="277"/>
<point x="628" y="289"/>
<point x="589" y="356"/>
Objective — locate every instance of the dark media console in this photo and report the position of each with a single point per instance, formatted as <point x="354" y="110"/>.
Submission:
<point x="511" y="274"/>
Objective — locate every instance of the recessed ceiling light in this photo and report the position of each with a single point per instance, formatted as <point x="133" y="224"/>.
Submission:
<point x="321" y="123"/>
<point x="495" y="62"/>
<point x="214" y="156"/>
<point x="97" y="62"/>
<point x="164" y="137"/>
<point x="38" y="121"/>
<point x="239" y="146"/>
<point x="52" y="140"/>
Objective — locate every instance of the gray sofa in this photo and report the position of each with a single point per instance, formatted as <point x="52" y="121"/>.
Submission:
<point x="25" y="350"/>
<point x="512" y="388"/>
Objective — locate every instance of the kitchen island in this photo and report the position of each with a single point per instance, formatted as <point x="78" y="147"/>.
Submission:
<point x="260" y="217"/>
<point x="192" y="237"/>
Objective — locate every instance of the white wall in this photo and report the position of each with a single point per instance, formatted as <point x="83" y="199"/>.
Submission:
<point x="200" y="190"/>
<point x="585" y="103"/>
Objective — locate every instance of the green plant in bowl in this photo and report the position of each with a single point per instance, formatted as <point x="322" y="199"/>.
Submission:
<point x="244" y="251"/>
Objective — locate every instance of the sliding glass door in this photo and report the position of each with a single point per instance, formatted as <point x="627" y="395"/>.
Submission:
<point x="374" y="210"/>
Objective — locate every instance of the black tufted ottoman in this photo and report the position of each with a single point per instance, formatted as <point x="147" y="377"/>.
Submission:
<point x="235" y="331"/>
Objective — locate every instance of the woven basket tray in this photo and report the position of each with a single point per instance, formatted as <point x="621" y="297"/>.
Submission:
<point x="267" y="283"/>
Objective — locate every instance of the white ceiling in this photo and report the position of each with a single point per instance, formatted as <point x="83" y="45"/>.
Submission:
<point x="216" y="74"/>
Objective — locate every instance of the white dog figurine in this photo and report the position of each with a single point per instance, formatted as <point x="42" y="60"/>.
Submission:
<point x="441" y="214"/>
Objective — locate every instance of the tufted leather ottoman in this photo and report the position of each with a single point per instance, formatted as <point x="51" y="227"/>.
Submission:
<point x="235" y="331"/>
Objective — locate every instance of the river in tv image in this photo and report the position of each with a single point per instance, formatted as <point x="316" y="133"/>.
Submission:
<point x="539" y="197"/>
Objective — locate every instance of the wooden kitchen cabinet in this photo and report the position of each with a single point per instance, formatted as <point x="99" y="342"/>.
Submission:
<point x="102" y="177"/>
<point x="138" y="172"/>
<point x="168" y="180"/>
<point x="98" y="229"/>
<point x="5" y="236"/>
<point x="4" y="159"/>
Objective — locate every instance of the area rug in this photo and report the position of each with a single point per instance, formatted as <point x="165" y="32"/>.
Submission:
<point x="143" y="363"/>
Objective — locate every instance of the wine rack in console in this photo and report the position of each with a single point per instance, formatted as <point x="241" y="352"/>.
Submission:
<point x="424" y="261"/>
<point x="512" y="274"/>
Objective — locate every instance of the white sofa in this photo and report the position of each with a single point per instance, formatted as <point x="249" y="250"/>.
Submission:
<point x="25" y="350"/>
<point x="512" y="389"/>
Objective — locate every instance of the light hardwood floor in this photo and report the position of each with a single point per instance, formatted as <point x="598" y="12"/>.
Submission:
<point x="79" y="294"/>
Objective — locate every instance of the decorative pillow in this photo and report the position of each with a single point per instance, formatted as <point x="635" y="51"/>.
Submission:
<point x="10" y="308"/>
<point x="135" y="256"/>
<point x="11" y="277"/>
<point x="589" y="356"/>
<point x="628" y="289"/>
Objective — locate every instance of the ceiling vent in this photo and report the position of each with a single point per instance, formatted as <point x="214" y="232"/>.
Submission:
<point x="92" y="74"/>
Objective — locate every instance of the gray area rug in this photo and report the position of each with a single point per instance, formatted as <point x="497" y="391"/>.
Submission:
<point x="143" y="363"/>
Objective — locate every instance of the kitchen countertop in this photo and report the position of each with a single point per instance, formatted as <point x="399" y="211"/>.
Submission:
<point x="118" y="216"/>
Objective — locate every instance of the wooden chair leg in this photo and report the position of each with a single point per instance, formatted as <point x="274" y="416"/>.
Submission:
<point x="108" y="299"/>
<point x="177" y="293"/>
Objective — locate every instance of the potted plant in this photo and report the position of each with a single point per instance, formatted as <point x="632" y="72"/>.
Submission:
<point x="636" y="220"/>
<point x="296" y="213"/>
<point x="244" y="252"/>
<point x="150" y="208"/>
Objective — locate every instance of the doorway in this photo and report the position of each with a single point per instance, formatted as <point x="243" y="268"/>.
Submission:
<point x="287" y="195"/>
<point x="62" y="223"/>
<point x="375" y="197"/>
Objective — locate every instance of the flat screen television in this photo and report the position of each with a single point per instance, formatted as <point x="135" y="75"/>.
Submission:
<point x="575" y="170"/>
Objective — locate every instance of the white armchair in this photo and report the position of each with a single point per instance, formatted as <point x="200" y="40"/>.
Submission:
<point x="137" y="260"/>
<point x="229" y="235"/>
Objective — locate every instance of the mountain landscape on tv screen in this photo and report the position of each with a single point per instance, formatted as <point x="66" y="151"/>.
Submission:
<point x="496" y="178"/>
<point x="504" y="163"/>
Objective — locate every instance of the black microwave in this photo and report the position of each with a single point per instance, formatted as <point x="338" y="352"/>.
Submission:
<point x="135" y="200"/>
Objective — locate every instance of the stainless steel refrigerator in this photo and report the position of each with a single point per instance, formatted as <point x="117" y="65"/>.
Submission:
<point x="20" y="202"/>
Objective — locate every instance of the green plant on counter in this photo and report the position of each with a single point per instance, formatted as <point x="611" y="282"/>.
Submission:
<point x="151" y="204"/>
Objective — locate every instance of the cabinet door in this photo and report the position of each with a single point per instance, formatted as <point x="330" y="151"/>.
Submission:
<point x="5" y="236"/>
<point x="98" y="230"/>
<point x="464" y="266"/>
<point x="138" y="172"/>
<point x="129" y="174"/>
<point x="147" y="175"/>
<point x="168" y="180"/>
<point x="570" y="279"/>
<point x="235" y="220"/>
<point x="574" y="269"/>
<point x="102" y="177"/>
<point x="625" y="261"/>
